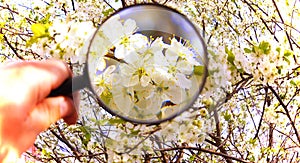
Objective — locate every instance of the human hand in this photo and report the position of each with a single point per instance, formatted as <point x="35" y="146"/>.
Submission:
<point x="25" y="109"/>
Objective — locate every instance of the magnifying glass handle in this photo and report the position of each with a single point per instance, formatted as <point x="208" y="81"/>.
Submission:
<point x="69" y="86"/>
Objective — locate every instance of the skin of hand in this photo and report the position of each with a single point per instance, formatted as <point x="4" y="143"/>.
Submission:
<point x="25" y="109"/>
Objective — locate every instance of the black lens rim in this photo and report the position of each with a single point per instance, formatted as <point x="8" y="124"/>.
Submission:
<point x="148" y="122"/>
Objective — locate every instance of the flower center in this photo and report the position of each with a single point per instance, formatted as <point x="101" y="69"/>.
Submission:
<point x="182" y="55"/>
<point x="125" y="41"/>
<point x="172" y="69"/>
<point x="140" y="72"/>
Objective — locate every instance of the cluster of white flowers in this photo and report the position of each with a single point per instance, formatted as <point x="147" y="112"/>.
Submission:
<point x="65" y="41"/>
<point x="188" y="128"/>
<point x="264" y="62"/>
<point x="136" y="75"/>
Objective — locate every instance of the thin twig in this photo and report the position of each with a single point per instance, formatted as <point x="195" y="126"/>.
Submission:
<point x="12" y="48"/>
<point x="262" y="114"/>
<point x="206" y="151"/>
<point x="286" y="111"/>
<point x="73" y="5"/>
<point x="287" y="35"/>
<point x="62" y="139"/>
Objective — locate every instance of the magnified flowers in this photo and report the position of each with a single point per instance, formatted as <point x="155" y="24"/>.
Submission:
<point x="144" y="77"/>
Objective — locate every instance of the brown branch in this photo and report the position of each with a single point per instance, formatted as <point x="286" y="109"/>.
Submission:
<point x="14" y="33"/>
<point x="147" y="158"/>
<point x="58" y="158"/>
<point x="262" y="114"/>
<point x="263" y="21"/>
<point x="73" y="5"/>
<point x="12" y="48"/>
<point x="205" y="151"/>
<point x="292" y="15"/>
<point x="154" y="1"/>
<point x="123" y="3"/>
<point x="271" y="129"/>
<point x="238" y="86"/>
<point x="287" y="35"/>
<point x="180" y="154"/>
<point x="218" y="143"/>
<point x="164" y="155"/>
<point x="64" y="140"/>
<point x="286" y="111"/>
<point x="15" y="12"/>
<point x="283" y="23"/>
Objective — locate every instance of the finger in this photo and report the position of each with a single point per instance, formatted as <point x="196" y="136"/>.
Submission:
<point x="71" y="118"/>
<point x="51" y="72"/>
<point x="39" y="77"/>
<point x="49" y="111"/>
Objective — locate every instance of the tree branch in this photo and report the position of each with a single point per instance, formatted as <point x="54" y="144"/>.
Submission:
<point x="123" y="3"/>
<point x="73" y="5"/>
<point x="12" y="48"/>
<point x="205" y="151"/>
<point x="64" y="140"/>
<point x="262" y="114"/>
<point x="286" y="112"/>
<point x="287" y="35"/>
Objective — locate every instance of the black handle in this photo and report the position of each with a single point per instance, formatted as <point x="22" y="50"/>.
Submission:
<point x="70" y="85"/>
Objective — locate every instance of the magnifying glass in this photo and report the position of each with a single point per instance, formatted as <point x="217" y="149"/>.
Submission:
<point x="145" y="64"/>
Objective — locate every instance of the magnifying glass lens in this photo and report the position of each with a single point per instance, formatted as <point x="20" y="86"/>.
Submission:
<point x="146" y="63"/>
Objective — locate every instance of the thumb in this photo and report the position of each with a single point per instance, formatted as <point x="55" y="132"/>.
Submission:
<point x="49" y="111"/>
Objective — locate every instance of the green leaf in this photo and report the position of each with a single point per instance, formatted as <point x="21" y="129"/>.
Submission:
<point x="1" y="37"/>
<point x="107" y="12"/>
<point x="265" y="47"/>
<point x="46" y="19"/>
<point x="192" y="158"/>
<point x="38" y="29"/>
<point x="227" y="116"/>
<point x="45" y="153"/>
<point x="135" y="132"/>
<point x="247" y="50"/>
<point x="101" y="122"/>
<point x="295" y="82"/>
<point x="87" y="135"/>
<point x="230" y="57"/>
<point x="287" y="53"/>
<point x="285" y="58"/>
<point x="212" y="53"/>
<point x="106" y="96"/>
<point x="279" y="69"/>
<point x="278" y="50"/>
<point x="199" y="70"/>
<point x="115" y="121"/>
<point x="252" y="141"/>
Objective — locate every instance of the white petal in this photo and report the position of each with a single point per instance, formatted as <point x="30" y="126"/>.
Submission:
<point x="160" y="59"/>
<point x="129" y="26"/>
<point x="101" y="65"/>
<point x="145" y="80"/>
<point x="172" y="55"/>
<point x="110" y="69"/>
<point x="122" y="99"/>
<point x="113" y="29"/>
<point x="176" y="95"/>
<point x="183" y="82"/>
<point x="131" y="57"/>
<point x="185" y="67"/>
<point x="120" y="51"/>
<point x="134" y="80"/>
